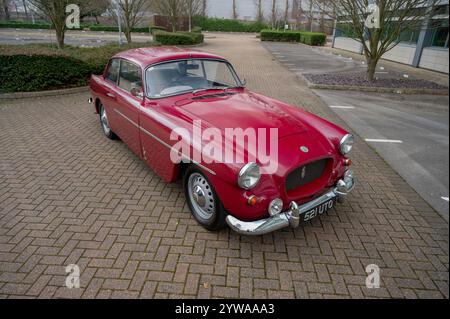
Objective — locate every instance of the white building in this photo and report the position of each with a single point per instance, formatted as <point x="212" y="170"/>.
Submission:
<point x="426" y="48"/>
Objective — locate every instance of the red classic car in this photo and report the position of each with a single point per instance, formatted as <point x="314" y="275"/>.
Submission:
<point x="158" y="101"/>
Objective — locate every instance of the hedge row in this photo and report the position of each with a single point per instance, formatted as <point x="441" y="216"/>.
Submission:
<point x="310" y="38"/>
<point x="227" y="25"/>
<point x="97" y="27"/>
<point x="38" y="67"/>
<point x="24" y="25"/>
<point x="24" y="73"/>
<point x="108" y="28"/>
<point x="178" y="38"/>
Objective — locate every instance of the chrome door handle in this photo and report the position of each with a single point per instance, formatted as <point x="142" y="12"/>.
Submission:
<point x="111" y="95"/>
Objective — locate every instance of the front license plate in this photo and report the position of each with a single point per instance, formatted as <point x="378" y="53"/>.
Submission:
<point x="318" y="210"/>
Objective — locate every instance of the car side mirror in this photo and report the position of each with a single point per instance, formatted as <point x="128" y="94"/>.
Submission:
<point x="137" y="92"/>
<point x="244" y="82"/>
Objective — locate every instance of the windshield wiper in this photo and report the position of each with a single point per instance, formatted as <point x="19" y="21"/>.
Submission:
<point x="215" y="88"/>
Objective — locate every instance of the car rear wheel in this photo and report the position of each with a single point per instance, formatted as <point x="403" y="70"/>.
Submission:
<point x="202" y="200"/>
<point x="105" y="123"/>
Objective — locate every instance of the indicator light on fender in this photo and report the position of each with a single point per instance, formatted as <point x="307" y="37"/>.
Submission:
<point x="348" y="162"/>
<point x="252" y="200"/>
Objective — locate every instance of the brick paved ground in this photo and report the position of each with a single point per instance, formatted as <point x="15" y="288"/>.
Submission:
<point x="68" y="195"/>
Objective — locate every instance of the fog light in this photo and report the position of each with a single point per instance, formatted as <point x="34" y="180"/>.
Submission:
<point x="275" y="207"/>
<point x="252" y="200"/>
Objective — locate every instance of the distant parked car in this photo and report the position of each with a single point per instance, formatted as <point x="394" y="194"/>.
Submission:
<point x="147" y="94"/>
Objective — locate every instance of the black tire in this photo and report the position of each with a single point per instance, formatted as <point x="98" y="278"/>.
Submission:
<point x="216" y="220"/>
<point x="104" y="123"/>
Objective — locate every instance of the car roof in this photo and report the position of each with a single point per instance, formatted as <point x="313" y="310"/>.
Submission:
<point x="151" y="55"/>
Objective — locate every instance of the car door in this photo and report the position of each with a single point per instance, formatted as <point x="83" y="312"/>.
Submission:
<point x="128" y="104"/>
<point x="108" y="98"/>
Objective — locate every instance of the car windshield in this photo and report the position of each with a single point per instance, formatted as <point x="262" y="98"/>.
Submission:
<point x="184" y="76"/>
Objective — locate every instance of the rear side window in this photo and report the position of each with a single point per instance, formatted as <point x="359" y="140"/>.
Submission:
<point x="112" y="73"/>
<point x="130" y="76"/>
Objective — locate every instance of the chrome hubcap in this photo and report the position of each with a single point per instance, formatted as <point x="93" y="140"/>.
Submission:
<point x="201" y="196"/>
<point x="104" y="120"/>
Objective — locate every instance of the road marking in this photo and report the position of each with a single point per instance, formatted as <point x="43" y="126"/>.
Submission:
<point x="383" y="141"/>
<point x="349" y="107"/>
<point x="445" y="198"/>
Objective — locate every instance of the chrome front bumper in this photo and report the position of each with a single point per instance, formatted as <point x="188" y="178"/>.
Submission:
<point x="291" y="217"/>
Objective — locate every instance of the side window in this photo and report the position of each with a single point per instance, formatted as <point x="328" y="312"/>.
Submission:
<point x="112" y="73"/>
<point x="130" y="76"/>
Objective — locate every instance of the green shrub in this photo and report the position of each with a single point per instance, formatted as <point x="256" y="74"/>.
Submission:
<point x="22" y="73"/>
<point x="21" y="25"/>
<point x="227" y="25"/>
<point x="197" y="37"/>
<point x="107" y="28"/>
<point x="38" y="67"/>
<point x="197" y="29"/>
<point x="313" y="38"/>
<point x="153" y="29"/>
<point x="27" y="25"/>
<point x="178" y="38"/>
<point x="309" y="38"/>
<point x="280" y="36"/>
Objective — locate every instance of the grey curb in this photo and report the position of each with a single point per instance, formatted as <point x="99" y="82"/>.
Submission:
<point x="372" y="89"/>
<point x="25" y="95"/>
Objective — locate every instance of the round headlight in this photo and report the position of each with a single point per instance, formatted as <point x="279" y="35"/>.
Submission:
<point x="249" y="176"/>
<point x="275" y="207"/>
<point x="346" y="144"/>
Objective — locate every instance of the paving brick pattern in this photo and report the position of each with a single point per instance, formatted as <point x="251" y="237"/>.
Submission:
<point x="70" y="196"/>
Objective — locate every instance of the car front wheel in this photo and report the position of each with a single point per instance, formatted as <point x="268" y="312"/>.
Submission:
<point x="105" y="123"/>
<point x="202" y="200"/>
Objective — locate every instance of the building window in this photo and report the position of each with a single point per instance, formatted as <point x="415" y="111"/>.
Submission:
<point x="409" y="36"/>
<point x="439" y="34"/>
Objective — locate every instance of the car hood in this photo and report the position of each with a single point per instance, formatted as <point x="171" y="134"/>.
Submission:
<point x="241" y="110"/>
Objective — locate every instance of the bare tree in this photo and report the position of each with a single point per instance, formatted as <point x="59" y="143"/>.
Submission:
<point x="235" y="13"/>
<point x="5" y="8"/>
<point x="259" y="10"/>
<point x="193" y="8"/>
<point x="310" y="14"/>
<point x="274" y="14"/>
<point x="297" y="11"/>
<point x="132" y="12"/>
<point x="172" y="9"/>
<point x="89" y="8"/>
<point x="394" y="18"/>
<point x="286" y="11"/>
<point x="204" y="6"/>
<point x="55" y="11"/>
<point x="24" y="3"/>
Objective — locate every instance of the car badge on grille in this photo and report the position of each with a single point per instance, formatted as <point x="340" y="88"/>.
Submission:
<point x="304" y="149"/>
<point x="303" y="172"/>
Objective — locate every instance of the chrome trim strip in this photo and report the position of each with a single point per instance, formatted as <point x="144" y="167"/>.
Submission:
<point x="162" y="142"/>
<point x="126" y="117"/>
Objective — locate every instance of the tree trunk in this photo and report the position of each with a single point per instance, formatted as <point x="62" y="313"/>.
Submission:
<point x="60" y="33"/>
<point x="204" y="8"/>
<point x="25" y="9"/>
<point x="6" y="9"/>
<point x="127" y="32"/>
<point x="235" y="15"/>
<point x="371" y="68"/>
